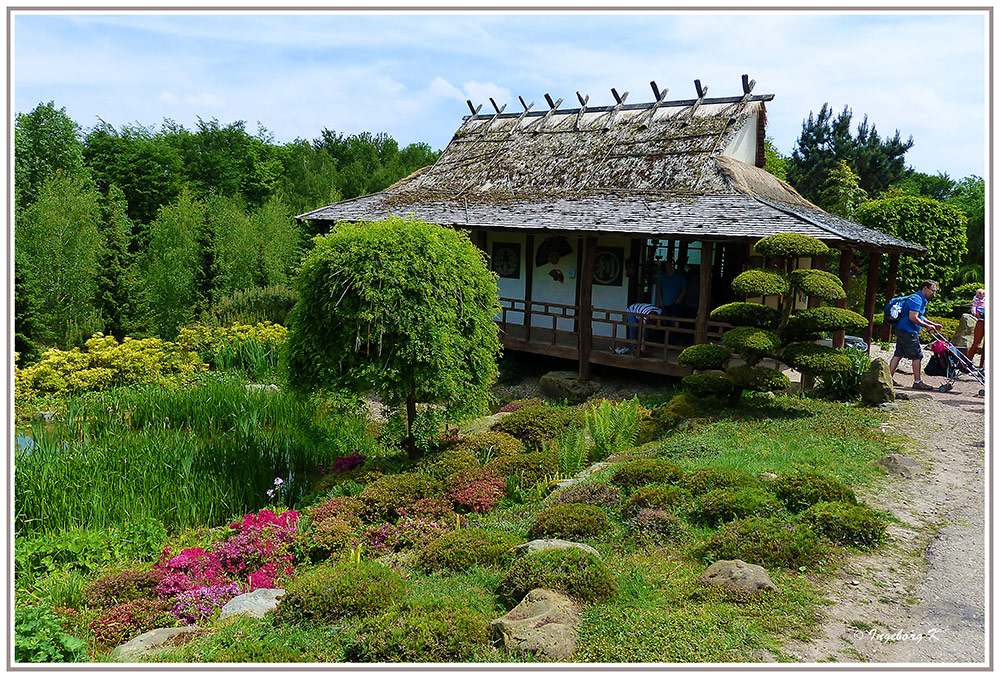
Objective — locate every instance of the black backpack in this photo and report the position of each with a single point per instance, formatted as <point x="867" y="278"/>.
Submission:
<point x="894" y="310"/>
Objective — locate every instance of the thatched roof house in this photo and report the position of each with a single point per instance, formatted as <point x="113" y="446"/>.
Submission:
<point x="628" y="176"/>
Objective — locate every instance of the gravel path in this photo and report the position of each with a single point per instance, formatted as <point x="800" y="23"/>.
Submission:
<point x="920" y="599"/>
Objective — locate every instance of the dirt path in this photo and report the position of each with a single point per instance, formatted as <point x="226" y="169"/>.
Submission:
<point x="922" y="597"/>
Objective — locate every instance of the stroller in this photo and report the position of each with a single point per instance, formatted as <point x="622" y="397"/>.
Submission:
<point x="949" y="362"/>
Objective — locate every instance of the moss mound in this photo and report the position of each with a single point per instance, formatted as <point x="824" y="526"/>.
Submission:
<point x="537" y="424"/>
<point x="572" y="571"/>
<point x="632" y="474"/>
<point x="705" y="478"/>
<point x="527" y="468"/>
<point x="462" y="549"/>
<point x="570" y="521"/>
<point x="657" y="526"/>
<point x="594" y="493"/>
<point x="332" y="591"/>
<point x="727" y="504"/>
<point x="661" y="496"/>
<point x="801" y="490"/>
<point x="421" y="632"/>
<point x="769" y="542"/>
<point x="384" y="497"/>
<point x="846" y="524"/>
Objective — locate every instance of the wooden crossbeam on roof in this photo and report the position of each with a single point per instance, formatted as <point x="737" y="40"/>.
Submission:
<point x="614" y="111"/>
<point x="583" y="109"/>
<point x="660" y="98"/>
<point x="527" y="107"/>
<point x="553" y="105"/>
<point x="701" y="91"/>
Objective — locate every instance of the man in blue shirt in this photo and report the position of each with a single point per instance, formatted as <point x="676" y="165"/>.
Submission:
<point x="907" y="331"/>
<point x="671" y="287"/>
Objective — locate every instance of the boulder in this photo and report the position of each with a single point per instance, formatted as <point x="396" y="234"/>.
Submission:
<point x="157" y="641"/>
<point x="738" y="577"/>
<point x="548" y="544"/>
<point x="963" y="335"/>
<point x="266" y="388"/>
<point x="44" y="416"/>
<point x="253" y="604"/>
<point x="876" y="384"/>
<point x="544" y="623"/>
<point x="566" y="385"/>
<point x="899" y="465"/>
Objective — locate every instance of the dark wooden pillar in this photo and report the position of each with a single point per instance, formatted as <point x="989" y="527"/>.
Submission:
<point x="529" y="271"/>
<point x="871" y="288"/>
<point x="844" y="273"/>
<point x="634" y="270"/>
<point x="890" y="290"/>
<point x="818" y="262"/>
<point x="586" y="277"/>
<point x="704" y="293"/>
<point x="481" y="241"/>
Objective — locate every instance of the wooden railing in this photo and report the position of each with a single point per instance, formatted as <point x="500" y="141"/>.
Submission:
<point x="558" y="321"/>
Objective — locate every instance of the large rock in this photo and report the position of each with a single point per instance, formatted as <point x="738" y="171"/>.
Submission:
<point x="738" y="577"/>
<point x="254" y="604"/>
<point x="963" y="335"/>
<point x="544" y="623"/>
<point x="549" y="544"/>
<point x="157" y="641"/>
<point x="876" y="384"/>
<point x="568" y="385"/>
<point x="899" y="465"/>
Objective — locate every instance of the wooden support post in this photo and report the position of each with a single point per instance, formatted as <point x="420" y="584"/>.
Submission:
<point x="585" y="275"/>
<point x="704" y="293"/>
<point x="870" y="290"/>
<point x="481" y="241"/>
<point x="635" y="266"/>
<point x="844" y="273"/>
<point x="529" y="270"/>
<point x="890" y="290"/>
<point x="818" y="263"/>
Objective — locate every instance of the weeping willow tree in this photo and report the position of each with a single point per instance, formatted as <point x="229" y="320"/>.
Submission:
<point x="400" y="307"/>
<point x="778" y="333"/>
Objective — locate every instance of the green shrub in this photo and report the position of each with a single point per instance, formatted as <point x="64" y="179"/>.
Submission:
<point x="460" y="550"/>
<point x="595" y="493"/>
<point x="816" y="359"/>
<point x="760" y="282"/>
<point x="332" y="591"/>
<point x="528" y="468"/>
<point x="572" y="571"/>
<point x="654" y="497"/>
<point x="707" y="385"/>
<point x="254" y="305"/>
<point x="536" y="424"/>
<point x="803" y="489"/>
<point x="444" y="464"/>
<point x="632" y="474"/>
<point x="329" y="537"/>
<point x="570" y="521"/>
<point x="421" y="632"/>
<point x="385" y="496"/>
<point x="87" y="551"/>
<point x="751" y="342"/>
<point x="130" y="619"/>
<point x="845" y="523"/>
<point x="347" y="509"/>
<point x="847" y="385"/>
<point x="818" y="283"/>
<point x="704" y="357"/>
<point x="949" y="326"/>
<point x="724" y="505"/>
<point x="748" y="378"/>
<point x="39" y="637"/>
<point x="657" y="526"/>
<point x="706" y="478"/>
<point x="120" y="587"/>
<point x="769" y="542"/>
<point x="491" y="445"/>
<point x="746" y="313"/>
<point x="680" y="407"/>
<point x="787" y="245"/>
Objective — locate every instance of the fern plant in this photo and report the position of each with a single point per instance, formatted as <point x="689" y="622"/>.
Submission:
<point x="613" y="428"/>
<point x="571" y="451"/>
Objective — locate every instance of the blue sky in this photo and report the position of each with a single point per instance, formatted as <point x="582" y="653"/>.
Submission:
<point x="409" y="74"/>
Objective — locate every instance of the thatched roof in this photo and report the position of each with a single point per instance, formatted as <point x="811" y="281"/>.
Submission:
<point x="653" y="170"/>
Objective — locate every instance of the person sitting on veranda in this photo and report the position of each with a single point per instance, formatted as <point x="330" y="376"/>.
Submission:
<point x="636" y="316"/>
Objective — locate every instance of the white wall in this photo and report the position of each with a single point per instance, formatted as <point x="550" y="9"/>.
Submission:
<point x="744" y="145"/>
<point x="608" y="297"/>
<point x="512" y="288"/>
<point x="545" y="289"/>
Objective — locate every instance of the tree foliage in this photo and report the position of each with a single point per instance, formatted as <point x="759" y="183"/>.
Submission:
<point x="403" y="308"/>
<point x="826" y="140"/>
<point x="45" y="140"/>
<point x="937" y="226"/>
<point x="842" y="193"/>
<point x="119" y="292"/>
<point x="775" y="162"/>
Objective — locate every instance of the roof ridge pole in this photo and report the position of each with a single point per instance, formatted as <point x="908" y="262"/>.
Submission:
<point x="583" y="109"/>
<point x="552" y="109"/>
<point x="614" y="111"/>
<point x="660" y="98"/>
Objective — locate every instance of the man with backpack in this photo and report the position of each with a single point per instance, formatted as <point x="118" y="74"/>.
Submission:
<point x="907" y="329"/>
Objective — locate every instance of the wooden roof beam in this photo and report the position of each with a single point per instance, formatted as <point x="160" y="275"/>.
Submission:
<point x="553" y="105"/>
<point x="583" y="108"/>
<point x="618" y="106"/>
<point x="660" y="98"/>
<point x="701" y="91"/>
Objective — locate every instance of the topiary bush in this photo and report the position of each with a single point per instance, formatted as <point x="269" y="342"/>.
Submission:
<point x="654" y="497"/>
<point x="385" y="496"/>
<point x="802" y="489"/>
<point x="633" y="474"/>
<point x="707" y="385"/>
<point x="460" y="550"/>
<point x="704" y="357"/>
<point x="657" y="526"/>
<point x="331" y="591"/>
<point x="816" y="359"/>
<point x="595" y="493"/>
<point x="769" y="542"/>
<point x="825" y="319"/>
<point x="752" y="343"/>
<point x="537" y="424"/>
<point x="570" y="521"/>
<point x="788" y="245"/>
<point x="845" y="523"/>
<point x="765" y="282"/>
<point x="572" y="571"/>
<point x="421" y="632"/>
<point x="724" y="505"/>
<point x="747" y="378"/>
<point x="746" y="313"/>
<point x="818" y="283"/>
<point x="706" y="478"/>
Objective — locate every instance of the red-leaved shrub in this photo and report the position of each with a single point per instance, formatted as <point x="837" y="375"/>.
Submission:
<point x="477" y="490"/>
